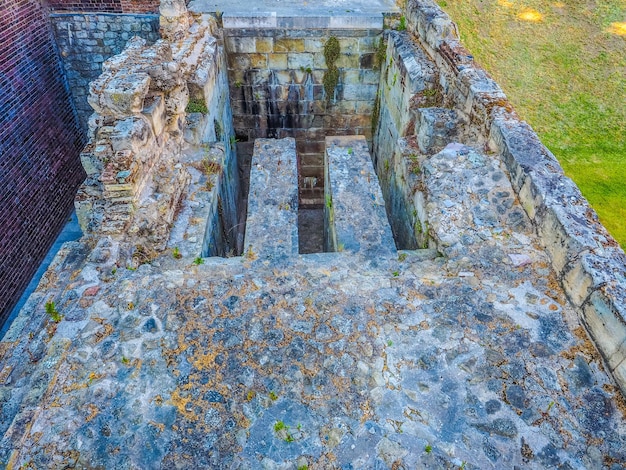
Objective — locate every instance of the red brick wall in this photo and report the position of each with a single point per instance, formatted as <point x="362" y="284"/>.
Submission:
<point x="39" y="146"/>
<point x="113" y="6"/>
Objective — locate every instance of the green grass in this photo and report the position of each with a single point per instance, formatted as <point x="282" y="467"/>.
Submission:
<point x="565" y="75"/>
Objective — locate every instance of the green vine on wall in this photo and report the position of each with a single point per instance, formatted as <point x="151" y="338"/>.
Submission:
<point x="331" y="75"/>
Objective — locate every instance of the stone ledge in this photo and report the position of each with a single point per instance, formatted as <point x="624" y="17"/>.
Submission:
<point x="272" y="21"/>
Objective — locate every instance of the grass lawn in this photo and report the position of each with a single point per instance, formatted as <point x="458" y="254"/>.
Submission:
<point x="563" y="66"/>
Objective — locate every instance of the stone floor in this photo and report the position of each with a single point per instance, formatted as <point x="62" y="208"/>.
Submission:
<point x="467" y="356"/>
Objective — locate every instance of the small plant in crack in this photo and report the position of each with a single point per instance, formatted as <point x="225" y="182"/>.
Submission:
<point x="176" y="253"/>
<point x="198" y="261"/>
<point x="52" y="312"/>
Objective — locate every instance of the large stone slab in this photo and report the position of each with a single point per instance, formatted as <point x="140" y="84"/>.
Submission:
<point x="354" y="204"/>
<point x="272" y="224"/>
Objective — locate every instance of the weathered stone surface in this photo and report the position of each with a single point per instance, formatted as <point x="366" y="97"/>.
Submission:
<point x="272" y="225"/>
<point x="325" y="359"/>
<point x="119" y="96"/>
<point x="468" y="354"/>
<point x="351" y="190"/>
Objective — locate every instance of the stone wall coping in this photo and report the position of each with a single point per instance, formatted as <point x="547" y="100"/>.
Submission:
<point x="308" y="20"/>
<point x="354" y="202"/>
<point x="272" y="221"/>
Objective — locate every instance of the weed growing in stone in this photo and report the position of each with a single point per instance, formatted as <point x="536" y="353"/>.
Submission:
<point x="396" y="273"/>
<point x="52" y="312"/>
<point x="176" y="253"/>
<point x="329" y="202"/>
<point x="196" y="105"/>
<point x="198" y="261"/>
<point x="402" y="25"/>
<point x="402" y="256"/>
<point x="279" y="426"/>
<point x="125" y="360"/>
<point x="428" y="449"/>
<point x="273" y="396"/>
<point x="381" y="53"/>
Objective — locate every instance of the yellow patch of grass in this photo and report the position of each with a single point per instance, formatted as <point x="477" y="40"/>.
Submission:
<point x="531" y="15"/>
<point x="617" y="28"/>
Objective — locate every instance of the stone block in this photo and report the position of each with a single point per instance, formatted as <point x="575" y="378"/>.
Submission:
<point x="567" y="225"/>
<point x="314" y="45"/>
<point x="120" y="96"/>
<point x="348" y="61"/>
<point x="239" y="21"/>
<point x="605" y="317"/>
<point x="154" y="111"/>
<point x="300" y="61"/>
<point x="437" y="128"/>
<point x="245" y="45"/>
<point x="277" y="61"/>
<point x="374" y="22"/>
<point x="133" y="133"/>
<point x="176" y="100"/>
<point x="289" y="45"/>
<point x="264" y="45"/>
<point x="592" y="270"/>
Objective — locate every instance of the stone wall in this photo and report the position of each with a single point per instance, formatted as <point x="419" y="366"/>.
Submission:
<point x="408" y="80"/>
<point x="276" y="71"/>
<point x="86" y="40"/>
<point x="39" y="145"/>
<point x="150" y="102"/>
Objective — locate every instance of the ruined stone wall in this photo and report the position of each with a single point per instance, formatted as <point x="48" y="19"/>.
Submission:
<point x="409" y="80"/>
<point x="39" y="145"/>
<point x="589" y="263"/>
<point x="86" y="40"/>
<point x="276" y="73"/>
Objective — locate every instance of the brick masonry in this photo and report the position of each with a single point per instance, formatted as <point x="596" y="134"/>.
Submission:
<point x="86" y="40"/>
<point x="39" y="146"/>
<point x="113" y="6"/>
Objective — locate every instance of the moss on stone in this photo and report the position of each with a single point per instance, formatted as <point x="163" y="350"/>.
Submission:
<point x="196" y="105"/>
<point x="331" y="76"/>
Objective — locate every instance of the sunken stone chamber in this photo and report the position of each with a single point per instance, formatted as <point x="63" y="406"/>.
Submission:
<point x="280" y="86"/>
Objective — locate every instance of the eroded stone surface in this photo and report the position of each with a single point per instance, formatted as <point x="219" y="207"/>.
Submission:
<point x="325" y="360"/>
